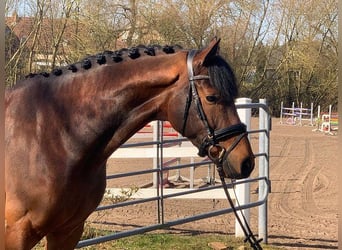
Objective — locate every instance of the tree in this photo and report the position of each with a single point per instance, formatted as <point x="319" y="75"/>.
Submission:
<point x="283" y="50"/>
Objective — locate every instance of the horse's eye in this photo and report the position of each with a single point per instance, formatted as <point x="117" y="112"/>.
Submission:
<point x="212" y="98"/>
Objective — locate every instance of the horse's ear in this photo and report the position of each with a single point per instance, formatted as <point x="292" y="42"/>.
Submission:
<point x="207" y="53"/>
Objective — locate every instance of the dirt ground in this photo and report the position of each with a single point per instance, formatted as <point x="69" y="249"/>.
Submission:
<point x="302" y="205"/>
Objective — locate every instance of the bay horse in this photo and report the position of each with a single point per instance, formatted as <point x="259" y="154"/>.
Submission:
<point x="62" y="126"/>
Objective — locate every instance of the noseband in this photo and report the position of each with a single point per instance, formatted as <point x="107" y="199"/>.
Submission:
<point x="210" y="144"/>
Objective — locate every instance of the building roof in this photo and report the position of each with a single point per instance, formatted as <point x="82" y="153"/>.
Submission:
<point x="25" y="27"/>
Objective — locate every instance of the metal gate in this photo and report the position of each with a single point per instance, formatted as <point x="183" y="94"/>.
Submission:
<point x="159" y="194"/>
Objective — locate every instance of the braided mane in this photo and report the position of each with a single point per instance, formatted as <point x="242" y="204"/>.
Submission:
<point x="108" y="57"/>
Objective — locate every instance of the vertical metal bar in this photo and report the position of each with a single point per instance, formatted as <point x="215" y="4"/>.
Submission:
<point x="161" y="164"/>
<point x="192" y="173"/>
<point x="156" y="165"/>
<point x="318" y="120"/>
<point x="300" y="114"/>
<point x="311" y="115"/>
<point x="281" y="113"/>
<point x="263" y="170"/>
<point x="155" y="138"/>
<point x="293" y="114"/>
<point x="178" y="173"/>
<point x="243" y="191"/>
<point x="329" y="127"/>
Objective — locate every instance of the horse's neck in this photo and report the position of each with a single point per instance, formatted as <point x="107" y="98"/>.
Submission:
<point x="107" y="112"/>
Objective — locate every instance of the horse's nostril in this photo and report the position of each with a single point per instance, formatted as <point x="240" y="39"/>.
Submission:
<point x="247" y="167"/>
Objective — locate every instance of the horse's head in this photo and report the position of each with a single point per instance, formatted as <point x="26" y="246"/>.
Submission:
<point x="209" y="118"/>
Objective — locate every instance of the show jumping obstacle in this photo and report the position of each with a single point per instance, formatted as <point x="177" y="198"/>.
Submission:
<point x="62" y="126"/>
<point x="327" y="122"/>
<point x="296" y="115"/>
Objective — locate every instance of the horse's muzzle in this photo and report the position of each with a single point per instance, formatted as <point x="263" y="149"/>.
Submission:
<point x="239" y="172"/>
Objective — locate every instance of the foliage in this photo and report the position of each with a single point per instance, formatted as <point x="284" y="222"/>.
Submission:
<point x="281" y="50"/>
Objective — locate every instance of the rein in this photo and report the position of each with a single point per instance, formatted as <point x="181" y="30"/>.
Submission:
<point x="254" y="243"/>
<point x="210" y="145"/>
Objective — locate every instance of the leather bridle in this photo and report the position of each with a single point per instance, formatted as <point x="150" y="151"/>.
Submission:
<point x="210" y="144"/>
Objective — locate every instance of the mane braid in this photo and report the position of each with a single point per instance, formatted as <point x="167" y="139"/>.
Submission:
<point x="86" y="64"/>
<point x="72" y="67"/>
<point x="57" y="72"/>
<point x="45" y="74"/>
<point x="133" y="53"/>
<point x="101" y="59"/>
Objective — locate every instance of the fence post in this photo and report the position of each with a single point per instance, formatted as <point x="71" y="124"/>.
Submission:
<point x="263" y="170"/>
<point x="243" y="190"/>
<point x="281" y="113"/>
<point x="311" y="115"/>
<point x="318" y="119"/>
<point x="300" y="114"/>
<point x="156" y="139"/>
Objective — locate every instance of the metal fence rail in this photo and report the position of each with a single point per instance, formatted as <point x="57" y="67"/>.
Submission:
<point x="158" y="171"/>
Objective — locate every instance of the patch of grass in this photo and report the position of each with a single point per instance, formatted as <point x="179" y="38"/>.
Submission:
<point x="167" y="241"/>
<point x="173" y="242"/>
